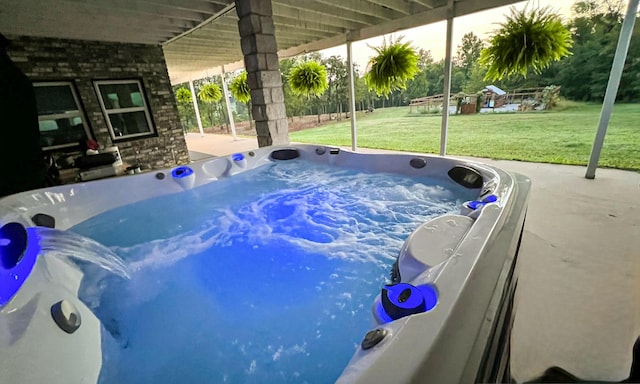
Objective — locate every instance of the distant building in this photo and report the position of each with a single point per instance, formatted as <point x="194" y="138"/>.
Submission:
<point x="493" y="97"/>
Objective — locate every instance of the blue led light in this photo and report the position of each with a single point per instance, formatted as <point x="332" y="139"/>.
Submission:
<point x="404" y="296"/>
<point x="423" y="299"/>
<point x="475" y="204"/>
<point x="180" y="172"/>
<point x="237" y="157"/>
<point x="490" y="199"/>
<point x="430" y="295"/>
<point x="15" y="269"/>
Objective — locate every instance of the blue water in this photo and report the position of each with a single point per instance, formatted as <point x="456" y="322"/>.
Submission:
<point x="265" y="277"/>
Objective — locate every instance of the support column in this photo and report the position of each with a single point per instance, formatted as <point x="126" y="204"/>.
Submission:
<point x="612" y="86"/>
<point x="352" y="98"/>
<point x="258" y="42"/>
<point x="447" y="80"/>
<point x="194" y="98"/>
<point x="225" y="91"/>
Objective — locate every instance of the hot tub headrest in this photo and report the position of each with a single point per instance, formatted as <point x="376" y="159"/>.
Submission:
<point x="285" y="154"/>
<point x="466" y="176"/>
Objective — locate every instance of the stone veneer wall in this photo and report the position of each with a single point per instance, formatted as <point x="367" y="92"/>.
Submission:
<point x="46" y="59"/>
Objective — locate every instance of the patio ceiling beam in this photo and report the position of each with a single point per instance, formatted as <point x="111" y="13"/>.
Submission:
<point x="312" y="46"/>
<point x="416" y="20"/>
<point x="297" y="44"/>
<point x="149" y="8"/>
<point x="204" y="54"/>
<point x="186" y="5"/>
<point x="219" y="15"/>
<point x="403" y="6"/>
<point x="117" y="11"/>
<point x="425" y="17"/>
<point x="295" y="33"/>
<point x="211" y="51"/>
<point x="222" y="37"/>
<point x="426" y="4"/>
<point x="229" y="39"/>
<point x="365" y="7"/>
<point x="305" y="19"/>
<point x="49" y="28"/>
<point x="202" y="71"/>
<point x="94" y="18"/>
<point x="323" y="10"/>
<point x="200" y="53"/>
<point x="195" y="70"/>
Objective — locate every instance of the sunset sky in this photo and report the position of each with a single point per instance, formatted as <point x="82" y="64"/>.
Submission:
<point x="432" y="36"/>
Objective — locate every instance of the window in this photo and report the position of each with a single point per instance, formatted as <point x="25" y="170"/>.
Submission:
<point x="60" y="116"/>
<point x="124" y="105"/>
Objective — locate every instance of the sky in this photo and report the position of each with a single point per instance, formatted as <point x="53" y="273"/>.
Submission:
<point x="433" y="36"/>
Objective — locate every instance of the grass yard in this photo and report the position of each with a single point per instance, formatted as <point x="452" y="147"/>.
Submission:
<point x="563" y="136"/>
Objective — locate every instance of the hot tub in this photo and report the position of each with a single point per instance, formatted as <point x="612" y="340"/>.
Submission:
<point x="391" y="285"/>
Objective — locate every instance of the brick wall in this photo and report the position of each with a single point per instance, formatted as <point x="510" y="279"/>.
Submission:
<point x="45" y="59"/>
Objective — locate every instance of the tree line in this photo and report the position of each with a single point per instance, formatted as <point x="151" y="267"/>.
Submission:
<point x="583" y="75"/>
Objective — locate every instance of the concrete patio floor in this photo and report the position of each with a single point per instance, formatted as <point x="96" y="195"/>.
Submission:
<point x="578" y="298"/>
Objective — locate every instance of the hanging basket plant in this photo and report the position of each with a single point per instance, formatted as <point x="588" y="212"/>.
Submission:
<point x="210" y="93"/>
<point x="528" y="40"/>
<point x="308" y="78"/>
<point x="239" y="88"/>
<point x="183" y="96"/>
<point x="395" y="64"/>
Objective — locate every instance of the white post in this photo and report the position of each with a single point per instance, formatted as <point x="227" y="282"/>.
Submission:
<point x="225" y="90"/>
<point x="612" y="87"/>
<point x="352" y="98"/>
<point x="195" y="106"/>
<point x="447" y="80"/>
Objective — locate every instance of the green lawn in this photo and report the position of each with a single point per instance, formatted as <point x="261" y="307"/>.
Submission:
<point x="562" y="136"/>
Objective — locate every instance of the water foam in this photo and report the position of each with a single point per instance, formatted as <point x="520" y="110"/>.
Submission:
<point x="269" y="275"/>
<point x="316" y="212"/>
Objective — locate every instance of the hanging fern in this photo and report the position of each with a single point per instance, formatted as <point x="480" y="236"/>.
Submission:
<point x="183" y="96"/>
<point x="308" y="78"/>
<point x="210" y="93"/>
<point x="529" y="39"/>
<point x="239" y="88"/>
<point x="395" y="63"/>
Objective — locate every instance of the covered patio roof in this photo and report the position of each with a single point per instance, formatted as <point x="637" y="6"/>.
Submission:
<point x="199" y="36"/>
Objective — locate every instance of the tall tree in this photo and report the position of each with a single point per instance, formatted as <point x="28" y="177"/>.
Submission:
<point x="337" y="77"/>
<point x="424" y="58"/>
<point x="595" y="29"/>
<point x="418" y="86"/>
<point x="468" y="53"/>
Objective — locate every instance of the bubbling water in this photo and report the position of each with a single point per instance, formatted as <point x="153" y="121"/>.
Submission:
<point x="267" y="276"/>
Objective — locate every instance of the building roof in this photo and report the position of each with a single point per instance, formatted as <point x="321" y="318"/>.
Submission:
<point x="199" y="36"/>
<point x="495" y="90"/>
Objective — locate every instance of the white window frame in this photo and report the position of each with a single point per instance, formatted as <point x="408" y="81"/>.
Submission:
<point x="67" y="115"/>
<point x="106" y="112"/>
